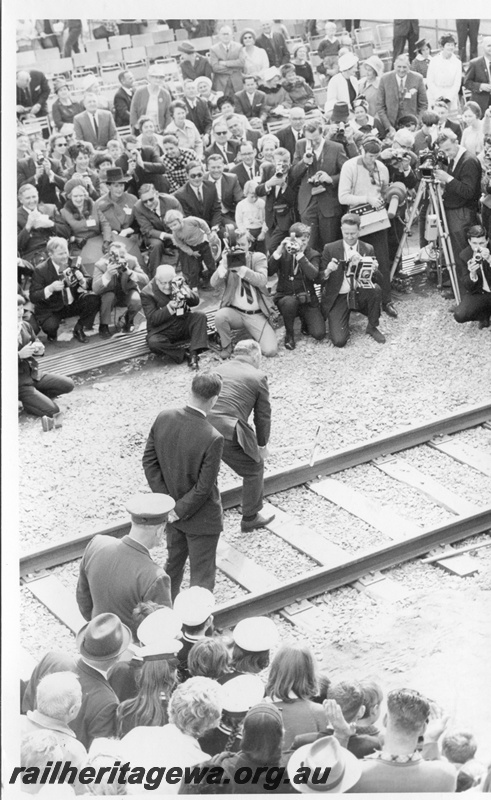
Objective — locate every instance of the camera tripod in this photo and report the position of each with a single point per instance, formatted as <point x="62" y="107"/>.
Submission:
<point x="432" y="190"/>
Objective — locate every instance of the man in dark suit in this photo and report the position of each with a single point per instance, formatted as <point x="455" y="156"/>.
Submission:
<point x="32" y="93"/>
<point x="193" y="65"/>
<point x="94" y="125"/>
<point x="123" y="98"/>
<point x="42" y="172"/>
<point x="478" y="77"/>
<point x="222" y="142"/>
<point x="56" y="296"/>
<point x="101" y="644"/>
<point x="142" y="165"/>
<point x="274" y="44"/>
<point x="182" y="459"/>
<point x="117" y="574"/>
<point x="239" y="134"/>
<point x="461" y="193"/>
<point x="400" y="92"/>
<point x="244" y="392"/>
<point x="405" y="29"/>
<point x="197" y="109"/>
<point x="475" y="303"/>
<point x="250" y="102"/>
<point x="292" y="133"/>
<point x="227" y="186"/>
<point x="441" y="108"/>
<point x="36" y="223"/>
<point x="247" y="168"/>
<point x="198" y="197"/>
<point x="281" y="194"/>
<point x="150" y="212"/>
<point x="318" y="204"/>
<point x="336" y="287"/>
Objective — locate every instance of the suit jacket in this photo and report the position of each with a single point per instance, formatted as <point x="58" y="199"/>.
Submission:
<point x="209" y="209"/>
<point x="47" y="189"/>
<point x="475" y="287"/>
<point x="242" y="174"/>
<point x="227" y="67"/>
<point x="331" y="287"/>
<point x="275" y="216"/>
<point x="27" y="367"/>
<point x="154" y="305"/>
<point x="38" y="91"/>
<point x="200" y="68"/>
<point x="389" y="107"/>
<point x="36" y="239"/>
<point x="291" y="280"/>
<point x="476" y="74"/>
<point x="243" y="104"/>
<point x="139" y="104"/>
<point x="43" y="275"/>
<point x="275" y="46"/>
<point x="244" y="392"/>
<point x="200" y="115"/>
<point x="465" y="188"/>
<point x="117" y="574"/>
<point x="152" y="224"/>
<point x="182" y="459"/>
<point x="84" y="130"/>
<point x="231" y="191"/>
<point x="231" y="151"/>
<point x="287" y="139"/>
<point x="127" y="283"/>
<point x="332" y="159"/>
<point x="122" y="102"/>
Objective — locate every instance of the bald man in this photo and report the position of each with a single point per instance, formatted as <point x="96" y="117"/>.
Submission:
<point x="167" y="303"/>
<point x="32" y="92"/>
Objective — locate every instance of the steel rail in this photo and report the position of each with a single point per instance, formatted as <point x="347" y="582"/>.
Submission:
<point x="71" y="548"/>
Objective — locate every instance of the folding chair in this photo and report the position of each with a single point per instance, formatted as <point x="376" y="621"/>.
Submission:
<point x="50" y="54"/>
<point x="135" y="59"/>
<point x="25" y="58"/>
<point x="142" y="39"/>
<point x="156" y="52"/>
<point x="96" y="45"/>
<point x="160" y="37"/>
<point x="118" y="42"/>
<point x="110" y="64"/>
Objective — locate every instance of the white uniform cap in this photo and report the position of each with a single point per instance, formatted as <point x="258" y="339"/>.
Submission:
<point x="160" y="624"/>
<point x="194" y="605"/>
<point x="241" y="693"/>
<point x="160" y="649"/>
<point x="256" y="634"/>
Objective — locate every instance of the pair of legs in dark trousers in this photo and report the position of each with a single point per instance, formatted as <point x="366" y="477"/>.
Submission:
<point x="398" y="43"/>
<point x="201" y="549"/>
<point x="251" y="472"/>
<point x="110" y="299"/>
<point x="169" y="340"/>
<point x="323" y="229"/>
<point x="36" y="397"/>
<point x="311" y="318"/>
<point x="467" y="28"/>
<point x="474" y="307"/>
<point x="459" y="220"/>
<point x="369" y="302"/>
<point x="380" y="243"/>
<point x="191" y="265"/>
<point x="159" y="253"/>
<point x="85" y="308"/>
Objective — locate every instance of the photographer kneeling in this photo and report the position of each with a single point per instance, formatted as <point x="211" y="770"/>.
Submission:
<point x="297" y="266"/>
<point x="476" y="300"/>
<point x="117" y="279"/>
<point x="246" y="304"/>
<point x="167" y="302"/>
<point x="351" y="282"/>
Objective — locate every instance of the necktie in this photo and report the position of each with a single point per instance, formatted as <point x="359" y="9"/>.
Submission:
<point x="402" y="88"/>
<point x="96" y="127"/>
<point x="200" y="194"/>
<point x="247" y="290"/>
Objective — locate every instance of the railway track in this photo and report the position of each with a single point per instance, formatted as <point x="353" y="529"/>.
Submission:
<point x="332" y="567"/>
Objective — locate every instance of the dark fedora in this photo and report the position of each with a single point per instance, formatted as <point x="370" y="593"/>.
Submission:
<point x="340" y="112"/>
<point x="103" y="638"/>
<point x="115" y="175"/>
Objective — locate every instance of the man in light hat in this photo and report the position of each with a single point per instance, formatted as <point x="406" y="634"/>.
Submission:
<point x="152" y="100"/>
<point x="117" y="574"/>
<point x="400" y="92"/>
<point x="118" y="279"/>
<point x="182" y="458"/>
<point x="323" y="766"/>
<point x="193" y="65"/>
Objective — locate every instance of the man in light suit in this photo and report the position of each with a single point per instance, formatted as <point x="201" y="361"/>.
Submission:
<point x="94" y="125"/>
<point x="244" y="392"/>
<point x="198" y="197"/>
<point x="182" y="459"/>
<point x="117" y="574"/>
<point x="227" y="186"/>
<point x="478" y="77"/>
<point x="152" y="100"/>
<point x="291" y="133"/>
<point x="118" y="279"/>
<point x="400" y="92"/>
<point x="250" y="102"/>
<point x="226" y="64"/>
<point x="321" y="160"/>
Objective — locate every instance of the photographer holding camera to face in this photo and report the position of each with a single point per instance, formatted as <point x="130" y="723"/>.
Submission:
<point x="246" y="304"/>
<point x="297" y="266"/>
<point x="118" y="279"/>
<point x="476" y="299"/>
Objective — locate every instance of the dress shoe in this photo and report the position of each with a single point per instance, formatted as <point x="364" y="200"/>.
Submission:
<point x="290" y="343"/>
<point x="375" y="334"/>
<point x="78" y="333"/>
<point x="390" y="310"/>
<point x="192" y="360"/>
<point x="304" y="330"/>
<point x="226" y="352"/>
<point x="483" y="323"/>
<point x="52" y="337"/>
<point x="259" y="521"/>
<point x="127" y="323"/>
<point x="104" y="332"/>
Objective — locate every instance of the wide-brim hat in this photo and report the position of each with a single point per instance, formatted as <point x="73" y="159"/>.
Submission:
<point x="376" y="64"/>
<point x="270" y="73"/>
<point x="345" y="768"/>
<point x="186" y="47"/>
<point x="162" y="623"/>
<point x="103" y="638"/>
<point x="256" y="634"/>
<point x="346" y="61"/>
<point x="194" y="605"/>
<point x="241" y="693"/>
<point x="340" y="112"/>
<point x="115" y="175"/>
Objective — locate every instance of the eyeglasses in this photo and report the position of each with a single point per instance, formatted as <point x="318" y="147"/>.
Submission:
<point x="221" y="133"/>
<point x="61" y="144"/>
<point x="148" y="201"/>
<point x="196" y="174"/>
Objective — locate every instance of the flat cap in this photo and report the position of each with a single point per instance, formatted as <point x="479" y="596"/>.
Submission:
<point x="194" y="605"/>
<point x="149" y="509"/>
<point x="186" y="47"/>
<point x="256" y="634"/>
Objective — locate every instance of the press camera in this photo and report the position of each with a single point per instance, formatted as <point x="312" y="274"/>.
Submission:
<point x="431" y="160"/>
<point x="236" y="255"/>
<point x="179" y="294"/>
<point x="118" y="259"/>
<point x="362" y="272"/>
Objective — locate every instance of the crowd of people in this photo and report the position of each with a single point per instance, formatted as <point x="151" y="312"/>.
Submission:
<point x="236" y="178"/>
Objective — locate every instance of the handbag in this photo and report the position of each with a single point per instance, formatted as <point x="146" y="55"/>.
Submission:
<point x="371" y="219"/>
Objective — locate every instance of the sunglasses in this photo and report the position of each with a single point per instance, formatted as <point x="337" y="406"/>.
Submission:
<point x="196" y="174"/>
<point x="149" y="201"/>
<point x="61" y="144"/>
<point x="221" y="133"/>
